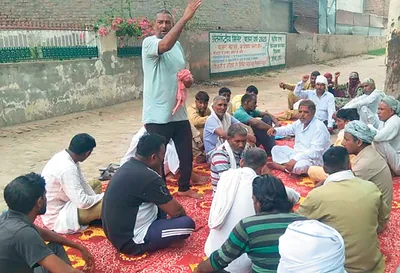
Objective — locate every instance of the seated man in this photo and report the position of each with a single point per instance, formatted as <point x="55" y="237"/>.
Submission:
<point x="353" y="207"/>
<point x="232" y="202"/>
<point x="237" y="100"/>
<point x="387" y="140"/>
<point x="257" y="235"/>
<point x="22" y="243"/>
<point x="311" y="141"/>
<point x="368" y="164"/>
<point x="171" y="159"/>
<point x="217" y="125"/>
<point x="309" y="85"/>
<point x="343" y="116"/>
<point x="348" y="91"/>
<point x="136" y="201"/>
<point x="226" y="92"/>
<point x="248" y="114"/>
<point x="311" y="246"/>
<point x="71" y="202"/>
<point x="199" y="111"/>
<point x="228" y="155"/>
<point x="367" y="104"/>
<point x="331" y="85"/>
<point x="323" y="100"/>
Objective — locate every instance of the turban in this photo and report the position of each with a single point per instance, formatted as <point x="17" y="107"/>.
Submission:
<point x="360" y="130"/>
<point x="321" y="79"/>
<point x="369" y="81"/>
<point x="392" y="103"/>
<point x="311" y="246"/>
<point x="354" y="75"/>
<point x="327" y="75"/>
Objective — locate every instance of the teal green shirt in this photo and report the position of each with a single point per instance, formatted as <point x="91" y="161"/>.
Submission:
<point x="161" y="82"/>
<point x="258" y="236"/>
<point x="244" y="117"/>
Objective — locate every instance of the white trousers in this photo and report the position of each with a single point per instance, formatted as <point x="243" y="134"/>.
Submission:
<point x="390" y="155"/>
<point x="283" y="154"/>
<point x="368" y="117"/>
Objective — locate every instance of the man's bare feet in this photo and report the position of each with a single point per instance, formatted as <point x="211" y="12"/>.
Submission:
<point x="177" y="243"/>
<point x="191" y="194"/>
<point x="198" y="179"/>
<point x="276" y="166"/>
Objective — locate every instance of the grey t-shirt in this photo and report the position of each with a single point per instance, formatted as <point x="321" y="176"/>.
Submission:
<point x="21" y="246"/>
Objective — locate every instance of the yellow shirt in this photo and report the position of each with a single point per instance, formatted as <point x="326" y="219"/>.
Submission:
<point x="195" y="118"/>
<point x="355" y="209"/>
<point x="236" y="102"/>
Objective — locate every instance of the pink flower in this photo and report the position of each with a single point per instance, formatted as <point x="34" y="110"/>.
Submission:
<point x="121" y="45"/>
<point x="82" y="36"/>
<point x="130" y="21"/>
<point x="102" y="31"/>
<point x="119" y="20"/>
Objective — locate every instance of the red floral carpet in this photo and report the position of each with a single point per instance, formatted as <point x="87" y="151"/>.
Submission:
<point x="186" y="258"/>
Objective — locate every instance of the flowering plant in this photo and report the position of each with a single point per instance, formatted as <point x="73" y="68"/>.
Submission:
<point x="130" y="27"/>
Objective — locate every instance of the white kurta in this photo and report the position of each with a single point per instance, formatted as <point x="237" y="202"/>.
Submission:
<point x="67" y="191"/>
<point x="387" y="143"/>
<point x="325" y="104"/>
<point x="171" y="156"/>
<point x="367" y="107"/>
<point x="309" y="146"/>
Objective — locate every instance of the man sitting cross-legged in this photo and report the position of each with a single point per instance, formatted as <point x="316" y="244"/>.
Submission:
<point x="387" y="139"/>
<point x="199" y="111"/>
<point x="257" y="235"/>
<point x="226" y="92"/>
<point x="237" y="100"/>
<point x="71" y="202"/>
<point x="248" y="114"/>
<point x="217" y="125"/>
<point x="311" y="141"/>
<point x="136" y="201"/>
<point x="22" y="243"/>
<point x="232" y="202"/>
<point x="352" y="206"/>
<point x="368" y="163"/>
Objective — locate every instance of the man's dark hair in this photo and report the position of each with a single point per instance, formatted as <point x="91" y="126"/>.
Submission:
<point x="255" y="158"/>
<point x="22" y="193"/>
<point x="271" y="193"/>
<point x="252" y="89"/>
<point x="82" y="143"/>
<point x="348" y="114"/>
<point x="309" y="104"/>
<point x="202" y="96"/>
<point x="315" y="73"/>
<point x="224" y="90"/>
<point x="164" y="11"/>
<point x="336" y="159"/>
<point x="150" y="144"/>
<point x="247" y="98"/>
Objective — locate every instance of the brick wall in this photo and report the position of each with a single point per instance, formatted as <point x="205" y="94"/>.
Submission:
<point x="377" y="7"/>
<point x="74" y="14"/>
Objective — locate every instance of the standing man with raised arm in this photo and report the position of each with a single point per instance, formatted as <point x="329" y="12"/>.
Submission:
<point x="162" y="59"/>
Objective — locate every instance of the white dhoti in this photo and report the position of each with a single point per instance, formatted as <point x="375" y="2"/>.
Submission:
<point x="283" y="154"/>
<point x="369" y="117"/>
<point x="390" y="155"/>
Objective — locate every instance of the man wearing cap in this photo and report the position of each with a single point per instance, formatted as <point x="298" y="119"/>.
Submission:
<point x="368" y="164"/>
<point x="323" y="252"/>
<point x="387" y="139"/>
<point x="324" y="101"/>
<point x="367" y="104"/>
<point x="347" y="91"/>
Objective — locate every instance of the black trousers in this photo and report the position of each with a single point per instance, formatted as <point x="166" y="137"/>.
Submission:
<point x="181" y="133"/>
<point x="268" y="142"/>
<point x="59" y="251"/>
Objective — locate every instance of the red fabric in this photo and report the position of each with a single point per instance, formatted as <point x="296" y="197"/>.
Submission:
<point x="184" y="259"/>
<point x="183" y="76"/>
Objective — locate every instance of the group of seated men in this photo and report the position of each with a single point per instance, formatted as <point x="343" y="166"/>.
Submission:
<point x="252" y="226"/>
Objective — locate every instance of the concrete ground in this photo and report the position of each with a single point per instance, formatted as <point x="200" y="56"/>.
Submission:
<point x="27" y="147"/>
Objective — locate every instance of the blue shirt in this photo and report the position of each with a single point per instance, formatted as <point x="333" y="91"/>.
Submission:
<point x="161" y="82"/>
<point x="244" y="117"/>
<point x="210" y="138"/>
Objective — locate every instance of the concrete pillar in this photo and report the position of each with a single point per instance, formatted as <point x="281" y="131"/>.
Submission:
<point x="392" y="84"/>
<point x="108" y="43"/>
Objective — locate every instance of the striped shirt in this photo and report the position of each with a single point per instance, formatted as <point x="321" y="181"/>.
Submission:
<point x="258" y="236"/>
<point x="220" y="163"/>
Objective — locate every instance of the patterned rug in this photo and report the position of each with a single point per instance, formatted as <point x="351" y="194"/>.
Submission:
<point x="186" y="258"/>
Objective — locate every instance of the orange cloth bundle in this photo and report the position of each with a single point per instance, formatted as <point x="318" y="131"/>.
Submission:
<point x="183" y="76"/>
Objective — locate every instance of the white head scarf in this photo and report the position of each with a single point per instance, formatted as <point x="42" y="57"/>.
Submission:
<point x="311" y="246"/>
<point x="321" y="79"/>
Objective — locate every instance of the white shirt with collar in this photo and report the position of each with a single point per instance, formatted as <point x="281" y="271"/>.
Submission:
<point x="325" y="104"/>
<point x="371" y="101"/>
<point x="310" y="142"/>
